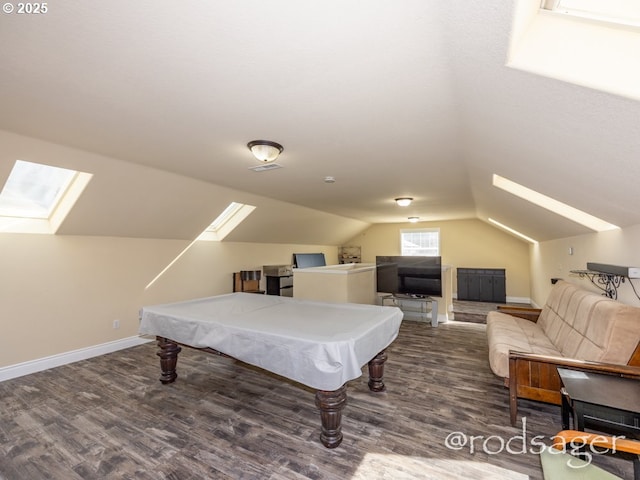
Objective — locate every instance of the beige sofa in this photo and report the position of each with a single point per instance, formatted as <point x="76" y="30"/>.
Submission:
<point x="575" y="329"/>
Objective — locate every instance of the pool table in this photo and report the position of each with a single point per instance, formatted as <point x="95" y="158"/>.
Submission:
<point x="318" y="344"/>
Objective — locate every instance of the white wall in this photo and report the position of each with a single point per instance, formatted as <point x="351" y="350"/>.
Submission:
<point x="551" y="259"/>
<point x="463" y="243"/>
<point x="62" y="293"/>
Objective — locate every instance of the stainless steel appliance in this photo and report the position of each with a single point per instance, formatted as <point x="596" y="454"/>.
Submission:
<point x="279" y="280"/>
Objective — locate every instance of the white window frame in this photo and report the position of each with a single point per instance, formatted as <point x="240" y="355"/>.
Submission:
<point x="21" y="188"/>
<point x="229" y="219"/>
<point x="407" y="250"/>
<point x="625" y="12"/>
<point x="579" y="49"/>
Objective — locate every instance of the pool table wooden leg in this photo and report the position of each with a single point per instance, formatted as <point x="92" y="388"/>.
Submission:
<point x="168" y="352"/>
<point x="331" y="404"/>
<point x="376" y="372"/>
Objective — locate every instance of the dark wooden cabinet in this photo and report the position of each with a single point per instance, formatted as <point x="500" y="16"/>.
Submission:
<point x="482" y="284"/>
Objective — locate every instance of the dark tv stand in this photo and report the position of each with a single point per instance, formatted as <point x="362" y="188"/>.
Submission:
<point x="482" y="284"/>
<point x="398" y="299"/>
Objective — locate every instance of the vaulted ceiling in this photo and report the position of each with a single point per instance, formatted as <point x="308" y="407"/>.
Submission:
<point x="409" y="98"/>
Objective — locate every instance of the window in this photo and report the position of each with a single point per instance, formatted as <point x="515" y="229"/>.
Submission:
<point x="36" y="198"/>
<point x="420" y="241"/>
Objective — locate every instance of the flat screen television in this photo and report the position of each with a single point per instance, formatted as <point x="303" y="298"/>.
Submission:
<point x="306" y="260"/>
<point x="409" y="275"/>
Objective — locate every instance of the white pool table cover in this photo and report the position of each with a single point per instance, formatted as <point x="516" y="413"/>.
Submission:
<point x="321" y="345"/>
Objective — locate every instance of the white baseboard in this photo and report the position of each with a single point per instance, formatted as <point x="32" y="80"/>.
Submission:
<point x="526" y="300"/>
<point x="33" y="366"/>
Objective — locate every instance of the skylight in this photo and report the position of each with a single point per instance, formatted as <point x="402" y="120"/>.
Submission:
<point x="552" y="205"/>
<point x="617" y="11"/>
<point x="36" y="198"/>
<point x="229" y="219"/>
<point x="511" y="230"/>
<point x="224" y="223"/>
<point x="592" y="43"/>
<point x="34" y="190"/>
<point x="226" y="215"/>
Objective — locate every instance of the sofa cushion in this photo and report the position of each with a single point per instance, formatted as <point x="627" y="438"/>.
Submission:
<point x="587" y="326"/>
<point x="505" y="333"/>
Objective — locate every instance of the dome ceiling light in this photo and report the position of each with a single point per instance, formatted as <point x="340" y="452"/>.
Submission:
<point x="264" y="150"/>
<point x="404" y="201"/>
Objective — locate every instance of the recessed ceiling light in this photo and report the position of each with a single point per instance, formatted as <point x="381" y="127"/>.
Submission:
<point x="329" y="180"/>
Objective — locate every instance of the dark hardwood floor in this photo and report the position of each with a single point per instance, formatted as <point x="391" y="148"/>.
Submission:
<point x="110" y="418"/>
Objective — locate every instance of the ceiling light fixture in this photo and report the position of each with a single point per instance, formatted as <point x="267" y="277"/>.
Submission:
<point x="414" y="219"/>
<point x="264" y="150"/>
<point x="404" y="201"/>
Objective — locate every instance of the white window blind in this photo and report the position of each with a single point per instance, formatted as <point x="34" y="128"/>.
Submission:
<point x="420" y="241"/>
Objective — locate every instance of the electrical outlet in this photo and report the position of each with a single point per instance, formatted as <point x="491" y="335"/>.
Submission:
<point x="116" y="324"/>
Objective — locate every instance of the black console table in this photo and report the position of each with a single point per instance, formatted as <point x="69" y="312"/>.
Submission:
<point x="606" y="403"/>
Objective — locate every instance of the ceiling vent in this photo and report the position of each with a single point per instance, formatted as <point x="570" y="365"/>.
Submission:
<point x="265" y="167"/>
